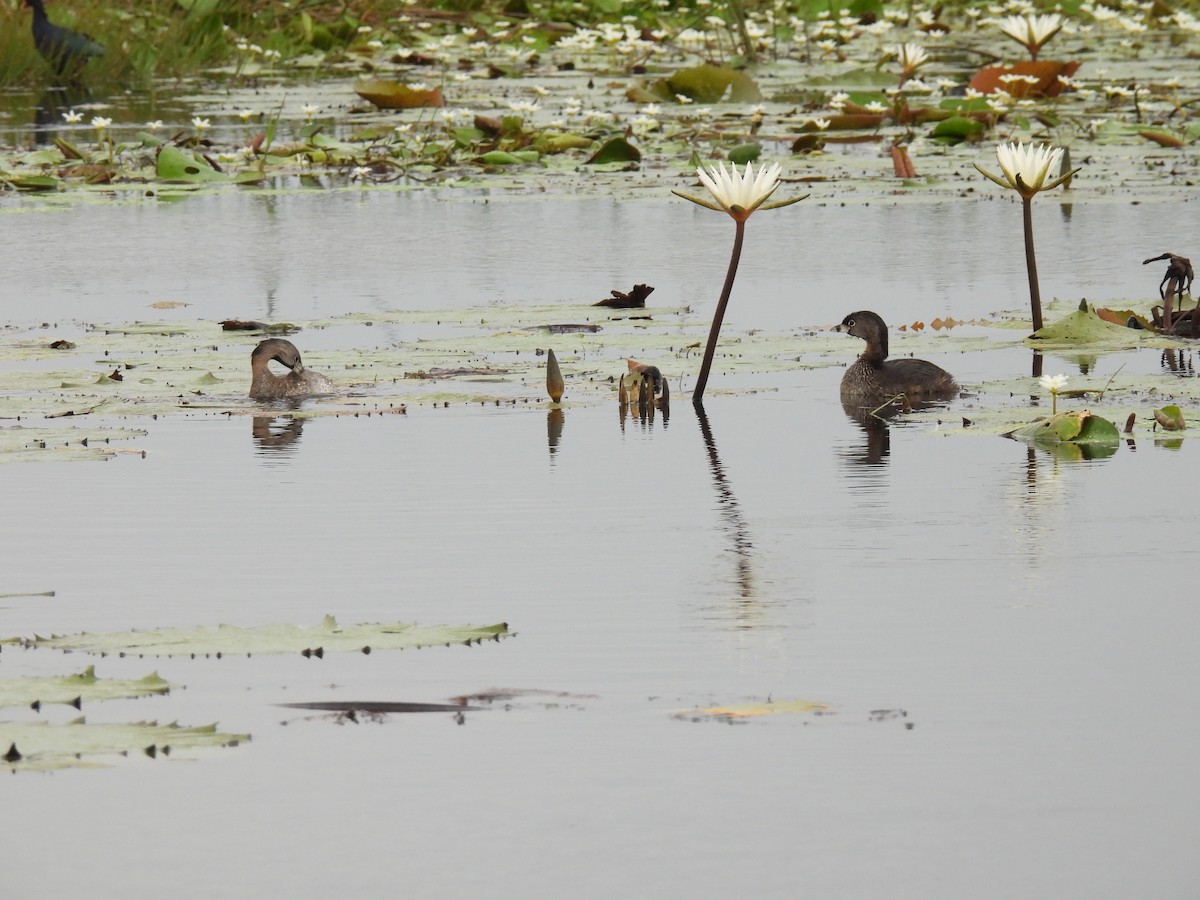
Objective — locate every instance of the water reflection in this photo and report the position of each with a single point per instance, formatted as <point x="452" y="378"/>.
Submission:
<point x="731" y="512"/>
<point x="554" y="428"/>
<point x="48" y="112"/>
<point x="1178" y="362"/>
<point x="276" y="435"/>
<point x="878" y="445"/>
<point x="642" y="410"/>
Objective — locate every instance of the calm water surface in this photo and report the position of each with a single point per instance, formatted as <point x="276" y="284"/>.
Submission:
<point x="1032" y="618"/>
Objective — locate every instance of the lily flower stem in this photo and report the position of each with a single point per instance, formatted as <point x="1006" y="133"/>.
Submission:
<point x="1035" y="294"/>
<point x="715" y="331"/>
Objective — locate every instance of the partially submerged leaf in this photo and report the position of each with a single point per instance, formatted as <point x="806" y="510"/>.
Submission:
<point x="229" y="639"/>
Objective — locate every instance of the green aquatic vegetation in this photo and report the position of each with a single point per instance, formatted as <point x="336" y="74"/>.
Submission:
<point x="1076" y="427"/>
<point x="43" y="747"/>
<point x="64" y="443"/>
<point x="224" y="640"/>
<point x="76" y="690"/>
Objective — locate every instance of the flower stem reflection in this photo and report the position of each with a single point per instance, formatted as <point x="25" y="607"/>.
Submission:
<point x="730" y="509"/>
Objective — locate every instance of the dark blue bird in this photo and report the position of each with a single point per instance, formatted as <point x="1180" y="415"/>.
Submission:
<point x="67" y="51"/>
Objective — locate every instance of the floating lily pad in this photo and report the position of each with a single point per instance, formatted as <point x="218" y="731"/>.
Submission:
<point x="394" y="95"/>
<point x="328" y="637"/>
<point x="711" y="84"/>
<point x="1076" y="427"/>
<point x="1170" y="418"/>
<point x="744" y="153"/>
<point x="179" y="166"/>
<point x="987" y="80"/>
<point x="77" y="689"/>
<point x="1084" y="326"/>
<point x="957" y="129"/>
<point x="615" y="150"/>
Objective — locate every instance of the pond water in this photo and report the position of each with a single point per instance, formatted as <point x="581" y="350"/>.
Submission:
<point x="1005" y="641"/>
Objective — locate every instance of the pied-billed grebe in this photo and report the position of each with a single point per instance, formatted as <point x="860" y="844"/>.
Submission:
<point x="300" y="382"/>
<point x="873" y="378"/>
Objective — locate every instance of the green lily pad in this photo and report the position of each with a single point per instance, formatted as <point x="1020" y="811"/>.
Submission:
<point x="327" y="637"/>
<point x="615" y="150"/>
<point x="1084" y="326"/>
<point x="744" y="153"/>
<point x="1076" y="427"/>
<point x="506" y="158"/>
<point x="179" y="166"/>
<point x="33" y="182"/>
<point x="560" y="143"/>
<point x="77" y="689"/>
<point x="710" y="84"/>
<point x="956" y="129"/>
<point x="40" y="746"/>
<point x="1170" y="418"/>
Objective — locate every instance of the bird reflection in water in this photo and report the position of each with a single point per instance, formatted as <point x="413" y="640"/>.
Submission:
<point x="878" y="446"/>
<point x="277" y="435"/>
<point x="735" y="524"/>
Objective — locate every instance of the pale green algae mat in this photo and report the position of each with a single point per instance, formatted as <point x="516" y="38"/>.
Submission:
<point x="533" y="110"/>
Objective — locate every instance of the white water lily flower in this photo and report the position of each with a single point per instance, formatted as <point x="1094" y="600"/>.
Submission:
<point x="1027" y="166"/>
<point x="912" y="57"/>
<point x="310" y="110"/>
<point x="200" y="124"/>
<point x="72" y="117"/>
<point x="820" y="124"/>
<point x="739" y="194"/>
<point x="155" y="125"/>
<point x="100" y="122"/>
<point x="245" y="114"/>
<point x="1054" y="383"/>
<point x="1032" y="31"/>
